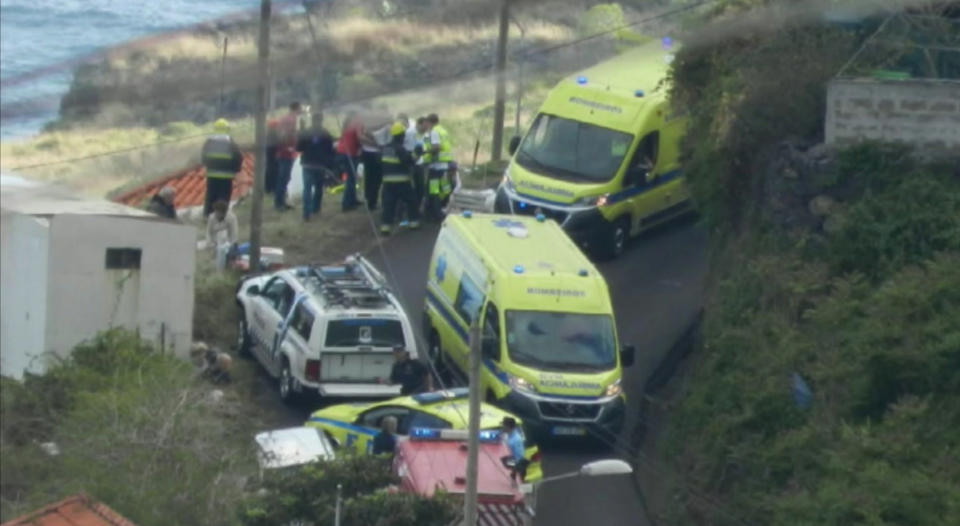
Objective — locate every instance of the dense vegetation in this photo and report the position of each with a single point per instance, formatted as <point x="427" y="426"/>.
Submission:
<point x="839" y="271"/>
<point x="136" y="429"/>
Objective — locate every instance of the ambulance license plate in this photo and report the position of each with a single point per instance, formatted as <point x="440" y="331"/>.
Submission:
<point x="569" y="431"/>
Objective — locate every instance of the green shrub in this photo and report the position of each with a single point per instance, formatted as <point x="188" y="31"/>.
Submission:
<point x="309" y="495"/>
<point x="134" y="430"/>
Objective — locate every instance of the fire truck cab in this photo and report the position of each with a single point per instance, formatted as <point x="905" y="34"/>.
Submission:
<point x="433" y="460"/>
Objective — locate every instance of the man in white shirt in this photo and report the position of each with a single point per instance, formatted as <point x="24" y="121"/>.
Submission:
<point x="222" y="227"/>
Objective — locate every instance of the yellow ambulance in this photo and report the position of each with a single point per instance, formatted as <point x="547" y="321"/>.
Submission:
<point x="602" y="155"/>
<point x="550" y="351"/>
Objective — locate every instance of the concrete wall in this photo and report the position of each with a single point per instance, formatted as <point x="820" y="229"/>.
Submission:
<point x="23" y="280"/>
<point x="925" y="114"/>
<point x="84" y="297"/>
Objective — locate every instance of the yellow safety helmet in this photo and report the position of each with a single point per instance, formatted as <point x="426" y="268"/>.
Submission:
<point x="221" y="125"/>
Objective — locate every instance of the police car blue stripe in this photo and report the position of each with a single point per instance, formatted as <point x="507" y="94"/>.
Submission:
<point x="344" y="425"/>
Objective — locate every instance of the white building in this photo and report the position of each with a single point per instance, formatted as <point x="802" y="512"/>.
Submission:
<point x="72" y="267"/>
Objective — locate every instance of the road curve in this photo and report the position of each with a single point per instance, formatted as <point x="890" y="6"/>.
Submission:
<point x="657" y="289"/>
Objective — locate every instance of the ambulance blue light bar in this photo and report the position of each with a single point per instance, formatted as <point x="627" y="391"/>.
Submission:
<point x="488" y="436"/>
<point x="518" y="269"/>
<point x="581" y="80"/>
<point x="667" y="42"/>
<point x="439" y="396"/>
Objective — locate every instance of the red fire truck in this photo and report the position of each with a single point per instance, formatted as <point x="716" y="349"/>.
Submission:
<point x="432" y="461"/>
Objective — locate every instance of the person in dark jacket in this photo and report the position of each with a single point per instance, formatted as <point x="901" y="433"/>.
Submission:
<point x="317" y="157"/>
<point x="222" y="159"/>
<point x="385" y="442"/>
<point x="162" y="203"/>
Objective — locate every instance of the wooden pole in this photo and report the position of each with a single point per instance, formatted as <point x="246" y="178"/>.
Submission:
<point x="223" y="63"/>
<point x="260" y="163"/>
<point x="501" y="65"/>
<point x="473" y="429"/>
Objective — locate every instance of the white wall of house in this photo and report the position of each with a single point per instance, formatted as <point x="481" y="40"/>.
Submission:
<point x="85" y="297"/>
<point x="24" y="242"/>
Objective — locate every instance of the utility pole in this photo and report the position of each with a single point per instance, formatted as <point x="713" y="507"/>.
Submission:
<point x="223" y="63"/>
<point x="501" y="65"/>
<point x="473" y="429"/>
<point x="260" y="160"/>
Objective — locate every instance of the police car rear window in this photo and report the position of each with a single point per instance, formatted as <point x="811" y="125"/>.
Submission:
<point x="364" y="332"/>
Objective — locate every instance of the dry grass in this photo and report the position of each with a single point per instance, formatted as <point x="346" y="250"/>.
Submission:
<point x="350" y="36"/>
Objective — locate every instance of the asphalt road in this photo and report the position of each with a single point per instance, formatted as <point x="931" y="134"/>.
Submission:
<point x="657" y="290"/>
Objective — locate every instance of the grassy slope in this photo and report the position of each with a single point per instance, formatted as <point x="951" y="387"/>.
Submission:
<point x="863" y="307"/>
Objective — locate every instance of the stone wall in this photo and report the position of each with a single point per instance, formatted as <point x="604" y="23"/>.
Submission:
<point x="923" y="113"/>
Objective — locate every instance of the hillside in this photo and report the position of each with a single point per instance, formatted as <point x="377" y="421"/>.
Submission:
<point x="826" y="389"/>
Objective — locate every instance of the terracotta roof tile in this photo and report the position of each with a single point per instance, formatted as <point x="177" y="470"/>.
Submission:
<point x="78" y="510"/>
<point x="190" y="185"/>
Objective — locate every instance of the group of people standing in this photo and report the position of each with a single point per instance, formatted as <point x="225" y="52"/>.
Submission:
<point x="406" y="165"/>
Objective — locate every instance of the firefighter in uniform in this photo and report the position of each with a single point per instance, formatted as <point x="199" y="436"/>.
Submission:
<point x="397" y="180"/>
<point x="440" y="149"/>
<point x="222" y="160"/>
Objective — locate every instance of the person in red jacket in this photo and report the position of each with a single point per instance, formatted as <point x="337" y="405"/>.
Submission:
<point x="348" y="155"/>
<point x="286" y="154"/>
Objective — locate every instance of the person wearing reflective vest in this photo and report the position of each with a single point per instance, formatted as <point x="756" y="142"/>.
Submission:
<point x="222" y="160"/>
<point x="397" y="180"/>
<point x="440" y="151"/>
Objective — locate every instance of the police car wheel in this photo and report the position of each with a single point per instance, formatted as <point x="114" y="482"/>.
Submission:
<point x="243" y="335"/>
<point x="285" y="384"/>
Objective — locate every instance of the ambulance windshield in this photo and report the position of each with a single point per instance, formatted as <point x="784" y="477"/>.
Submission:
<point x="567" y="149"/>
<point x="561" y="341"/>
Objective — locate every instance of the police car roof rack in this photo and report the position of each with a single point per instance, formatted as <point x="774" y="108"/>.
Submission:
<point x="355" y="284"/>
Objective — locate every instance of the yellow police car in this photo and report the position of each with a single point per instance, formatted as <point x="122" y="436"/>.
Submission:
<point x="354" y="425"/>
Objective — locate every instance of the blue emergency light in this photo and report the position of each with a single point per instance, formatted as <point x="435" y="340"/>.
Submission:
<point x="667" y="42"/>
<point x="521" y="205"/>
<point x="638" y="93"/>
<point x="581" y="80"/>
<point x="487" y="436"/>
<point x="541" y="218"/>
<point x="422" y="433"/>
<point x="518" y="269"/>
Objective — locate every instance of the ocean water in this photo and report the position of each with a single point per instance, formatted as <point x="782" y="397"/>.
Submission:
<point x="41" y="41"/>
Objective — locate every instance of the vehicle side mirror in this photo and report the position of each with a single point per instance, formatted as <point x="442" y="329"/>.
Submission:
<point x="254" y="290"/>
<point x="627" y="355"/>
<point x="514" y="144"/>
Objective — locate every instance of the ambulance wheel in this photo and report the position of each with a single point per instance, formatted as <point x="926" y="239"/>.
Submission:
<point x="243" y="335"/>
<point x="616" y="239"/>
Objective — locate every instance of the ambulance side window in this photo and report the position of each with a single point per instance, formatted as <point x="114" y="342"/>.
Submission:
<point x="491" y="333"/>
<point x="469" y="300"/>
